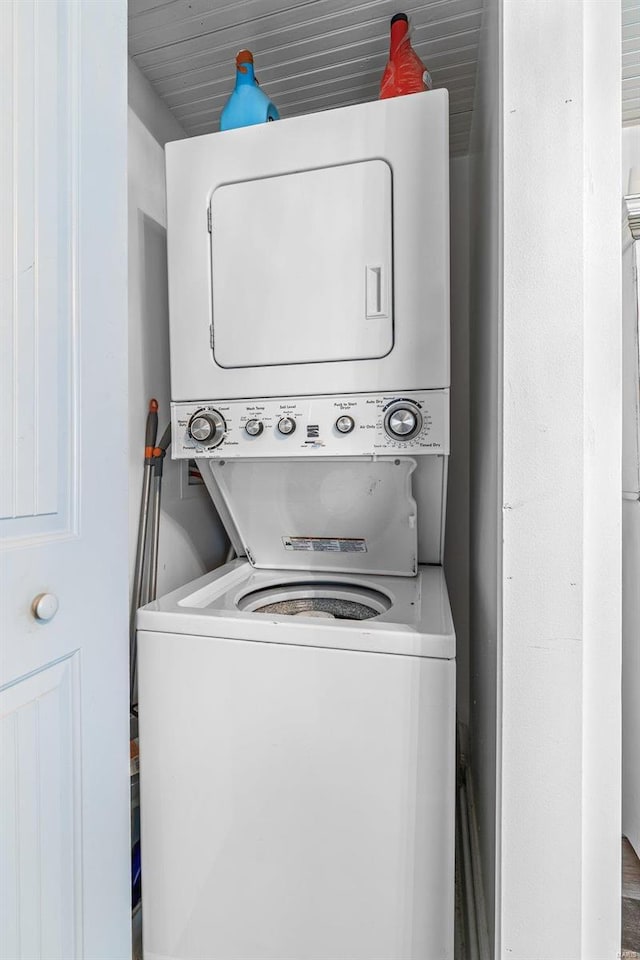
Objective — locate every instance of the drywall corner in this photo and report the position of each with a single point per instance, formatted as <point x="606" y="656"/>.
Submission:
<point x="150" y="109"/>
<point x="192" y="539"/>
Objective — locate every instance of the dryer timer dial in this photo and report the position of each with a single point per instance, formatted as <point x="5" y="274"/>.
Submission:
<point x="403" y="421"/>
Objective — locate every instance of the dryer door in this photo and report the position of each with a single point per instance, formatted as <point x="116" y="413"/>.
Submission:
<point x="301" y="267"/>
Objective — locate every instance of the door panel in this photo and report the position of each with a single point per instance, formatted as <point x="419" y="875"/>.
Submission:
<point x="64" y="845"/>
<point x="302" y="267"/>
<point x="36" y="196"/>
<point x="41" y="813"/>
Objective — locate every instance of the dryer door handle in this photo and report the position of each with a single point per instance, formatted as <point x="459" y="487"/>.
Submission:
<point x="374" y="292"/>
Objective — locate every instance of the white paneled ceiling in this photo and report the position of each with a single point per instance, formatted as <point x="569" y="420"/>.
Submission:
<point x="310" y="54"/>
<point x="630" y="61"/>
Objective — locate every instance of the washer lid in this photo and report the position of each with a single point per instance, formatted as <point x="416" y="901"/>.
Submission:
<point x="342" y="515"/>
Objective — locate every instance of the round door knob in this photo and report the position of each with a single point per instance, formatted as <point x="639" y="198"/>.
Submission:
<point x="254" y="428"/>
<point x="402" y="422"/>
<point x="345" y="424"/>
<point x="286" y="425"/>
<point x="207" y="427"/>
<point x="44" y="607"/>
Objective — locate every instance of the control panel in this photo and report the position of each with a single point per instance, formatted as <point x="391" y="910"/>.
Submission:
<point x="354" y="425"/>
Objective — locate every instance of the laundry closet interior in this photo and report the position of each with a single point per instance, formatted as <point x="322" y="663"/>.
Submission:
<point x="316" y="305"/>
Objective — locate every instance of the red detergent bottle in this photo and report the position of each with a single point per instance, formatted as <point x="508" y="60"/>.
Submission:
<point x="405" y="72"/>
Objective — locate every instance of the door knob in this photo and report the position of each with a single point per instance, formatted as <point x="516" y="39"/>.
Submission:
<point x="44" y="607"/>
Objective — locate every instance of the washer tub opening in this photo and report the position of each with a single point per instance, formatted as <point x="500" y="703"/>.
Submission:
<point x="328" y="600"/>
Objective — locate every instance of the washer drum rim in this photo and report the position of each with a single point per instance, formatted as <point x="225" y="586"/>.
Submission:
<point x="328" y="599"/>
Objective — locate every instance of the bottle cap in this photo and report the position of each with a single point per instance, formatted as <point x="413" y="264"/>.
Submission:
<point x="399" y="16"/>
<point x="244" y="56"/>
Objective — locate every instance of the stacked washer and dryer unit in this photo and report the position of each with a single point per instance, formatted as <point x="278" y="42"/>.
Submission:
<point x="297" y="705"/>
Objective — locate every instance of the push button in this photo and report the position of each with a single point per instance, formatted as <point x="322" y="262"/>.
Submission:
<point x="345" y="424"/>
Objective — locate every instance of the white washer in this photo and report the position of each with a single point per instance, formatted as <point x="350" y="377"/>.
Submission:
<point x="297" y="772"/>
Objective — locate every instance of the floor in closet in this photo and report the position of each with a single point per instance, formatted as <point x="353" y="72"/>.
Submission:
<point x="630" y="902"/>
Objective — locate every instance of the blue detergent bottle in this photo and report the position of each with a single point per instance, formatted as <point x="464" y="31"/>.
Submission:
<point x="247" y="104"/>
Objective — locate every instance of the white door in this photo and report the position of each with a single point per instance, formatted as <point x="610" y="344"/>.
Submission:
<point x="64" y="887"/>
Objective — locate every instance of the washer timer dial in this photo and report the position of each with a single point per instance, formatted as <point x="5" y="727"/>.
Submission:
<point x="207" y="427"/>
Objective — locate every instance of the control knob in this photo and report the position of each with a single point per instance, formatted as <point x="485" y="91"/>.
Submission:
<point x="207" y="427"/>
<point x="254" y="428"/>
<point x="286" y="425"/>
<point x="402" y="422"/>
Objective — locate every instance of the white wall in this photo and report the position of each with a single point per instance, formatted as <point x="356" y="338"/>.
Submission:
<point x="191" y="538"/>
<point x="630" y="514"/>
<point x="560" y="712"/>
<point x="631" y="672"/>
<point x="545" y="477"/>
<point x="456" y="560"/>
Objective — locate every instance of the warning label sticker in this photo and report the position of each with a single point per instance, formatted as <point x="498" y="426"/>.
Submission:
<point x="326" y="544"/>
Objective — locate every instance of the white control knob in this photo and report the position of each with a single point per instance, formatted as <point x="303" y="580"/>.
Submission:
<point x="402" y="422"/>
<point x="44" y="607"/>
<point x="286" y="425"/>
<point x="253" y="427"/>
<point x="207" y="427"/>
<point x="345" y="424"/>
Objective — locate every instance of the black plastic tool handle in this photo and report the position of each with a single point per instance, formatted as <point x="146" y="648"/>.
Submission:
<point x="151" y="431"/>
<point x="160" y="451"/>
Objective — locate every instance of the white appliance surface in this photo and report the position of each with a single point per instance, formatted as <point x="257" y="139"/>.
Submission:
<point x="354" y="515"/>
<point x="311" y="255"/>
<point x="297" y="774"/>
<point x="318" y="287"/>
<point x="315" y="420"/>
<point x="344" y="492"/>
<point x="417" y="621"/>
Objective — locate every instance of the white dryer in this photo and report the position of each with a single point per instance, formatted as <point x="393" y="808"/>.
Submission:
<point x="297" y="706"/>
<point x="311" y="255"/>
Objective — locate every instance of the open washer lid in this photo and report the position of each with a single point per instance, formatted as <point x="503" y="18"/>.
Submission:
<point x="348" y="515"/>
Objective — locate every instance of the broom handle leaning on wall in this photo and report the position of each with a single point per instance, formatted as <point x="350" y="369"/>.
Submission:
<point x="159" y="454"/>
<point x="138" y="576"/>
